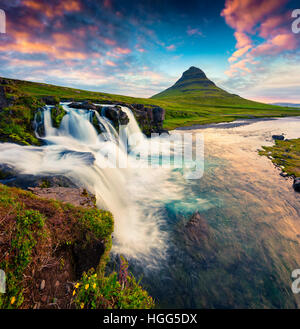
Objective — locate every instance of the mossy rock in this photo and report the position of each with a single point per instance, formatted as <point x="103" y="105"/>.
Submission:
<point x="57" y="114"/>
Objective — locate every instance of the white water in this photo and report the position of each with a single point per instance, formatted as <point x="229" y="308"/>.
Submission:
<point x="133" y="195"/>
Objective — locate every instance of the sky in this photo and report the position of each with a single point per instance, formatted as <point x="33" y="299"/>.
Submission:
<point x="140" y="47"/>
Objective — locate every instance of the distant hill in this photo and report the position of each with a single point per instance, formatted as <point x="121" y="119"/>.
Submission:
<point x="286" y="104"/>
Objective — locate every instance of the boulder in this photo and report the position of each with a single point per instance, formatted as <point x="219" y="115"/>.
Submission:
<point x="296" y="184"/>
<point x="278" y="137"/>
<point x="116" y="115"/>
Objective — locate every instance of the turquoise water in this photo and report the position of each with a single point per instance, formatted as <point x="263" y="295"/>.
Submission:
<point x="243" y="250"/>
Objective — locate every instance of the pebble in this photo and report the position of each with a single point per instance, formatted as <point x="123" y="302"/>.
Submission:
<point x="43" y="283"/>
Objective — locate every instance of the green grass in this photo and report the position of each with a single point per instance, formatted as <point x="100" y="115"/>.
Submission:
<point x="286" y="155"/>
<point x="183" y="108"/>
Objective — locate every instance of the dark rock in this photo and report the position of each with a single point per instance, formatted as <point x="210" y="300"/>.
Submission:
<point x="278" y="137"/>
<point x="150" y="119"/>
<point x="138" y="106"/>
<point x="86" y="105"/>
<point x="3" y="100"/>
<point x="116" y="115"/>
<point x="51" y="100"/>
<point x="25" y="181"/>
<point x="283" y="174"/>
<point x="296" y="184"/>
<point x="87" y="256"/>
<point x="158" y="115"/>
<point x="197" y="230"/>
<point x="7" y="171"/>
<point x="123" y="118"/>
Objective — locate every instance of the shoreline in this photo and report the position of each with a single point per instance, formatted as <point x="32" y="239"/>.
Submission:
<point x="232" y="124"/>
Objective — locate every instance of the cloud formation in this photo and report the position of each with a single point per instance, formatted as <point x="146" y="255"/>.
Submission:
<point x="253" y="21"/>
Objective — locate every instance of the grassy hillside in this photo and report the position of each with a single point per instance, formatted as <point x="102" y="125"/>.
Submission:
<point x="208" y="105"/>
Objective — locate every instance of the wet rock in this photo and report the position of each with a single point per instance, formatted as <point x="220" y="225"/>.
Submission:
<point x="3" y="100"/>
<point x="86" y="105"/>
<point x="150" y="119"/>
<point x="116" y="115"/>
<point x="296" y="184"/>
<point x="138" y="106"/>
<point x="283" y="174"/>
<point x="75" y="196"/>
<point x="158" y="115"/>
<point x="26" y="181"/>
<point x="197" y="230"/>
<point x="7" y="171"/>
<point x="51" y="100"/>
<point x="278" y="137"/>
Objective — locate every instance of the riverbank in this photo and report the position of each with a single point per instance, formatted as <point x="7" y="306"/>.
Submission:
<point x="54" y="255"/>
<point x="285" y="155"/>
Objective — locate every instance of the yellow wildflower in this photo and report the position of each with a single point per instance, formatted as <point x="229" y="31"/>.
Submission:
<point x="13" y="300"/>
<point x="77" y="285"/>
<point x="94" y="285"/>
<point x="74" y="292"/>
<point x="87" y="286"/>
<point x="95" y="275"/>
<point x="81" y="305"/>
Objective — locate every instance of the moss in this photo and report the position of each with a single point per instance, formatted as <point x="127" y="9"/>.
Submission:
<point x="16" y="121"/>
<point x="286" y="155"/>
<point x="57" y="114"/>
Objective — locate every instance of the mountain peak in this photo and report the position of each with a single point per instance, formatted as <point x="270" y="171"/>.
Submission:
<point x="192" y="82"/>
<point x="194" y="72"/>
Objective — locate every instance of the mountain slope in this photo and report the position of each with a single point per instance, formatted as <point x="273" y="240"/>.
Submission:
<point x="194" y="86"/>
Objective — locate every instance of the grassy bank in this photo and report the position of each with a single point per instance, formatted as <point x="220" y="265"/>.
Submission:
<point x="286" y="155"/>
<point x="181" y="110"/>
<point x="54" y="256"/>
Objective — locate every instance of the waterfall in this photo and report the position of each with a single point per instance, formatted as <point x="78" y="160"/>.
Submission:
<point x="132" y="194"/>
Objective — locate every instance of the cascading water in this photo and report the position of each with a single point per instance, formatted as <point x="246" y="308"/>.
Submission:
<point x="132" y="194"/>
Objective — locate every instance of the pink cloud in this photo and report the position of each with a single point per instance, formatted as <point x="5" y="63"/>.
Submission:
<point x="276" y="45"/>
<point x="191" y="31"/>
<point x="171" y="47"/>
<point x="110" y="63"/>
<point x="243" y="15"/>
<point x="242" y="39"/>
<point x="240" y="52"/>
<point x="257" y="17"/>
<point x="122" y="51"/>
